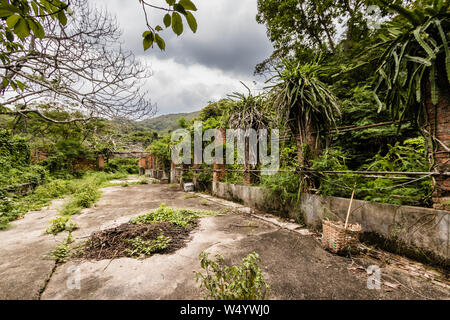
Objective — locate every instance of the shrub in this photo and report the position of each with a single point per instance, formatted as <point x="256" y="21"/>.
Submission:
<point x="283" y="187"/>
<point x="130" y="166"/>
<point x="401" y="157"/>
<point x="61" y="224"/>
<point x="240" y="282"/>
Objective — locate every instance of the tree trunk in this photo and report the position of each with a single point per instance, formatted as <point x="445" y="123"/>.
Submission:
<point x="311" y="146"/>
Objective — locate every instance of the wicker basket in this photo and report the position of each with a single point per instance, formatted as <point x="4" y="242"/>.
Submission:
<point x="337" y="239"/>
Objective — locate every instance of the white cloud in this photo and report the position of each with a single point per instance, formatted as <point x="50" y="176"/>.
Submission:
<point x="187" y="88"/>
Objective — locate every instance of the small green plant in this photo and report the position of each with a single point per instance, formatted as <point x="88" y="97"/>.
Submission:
<point x="190" y="196"/>
<point x="61" y="224"/>
<point x="179" y="217"/>
<point x="61" y="253"/>
<point x="125" y="184"/>
<point x="204" y="202"/>
<point x="144" y="248"/>
<point x="239" y="282"/>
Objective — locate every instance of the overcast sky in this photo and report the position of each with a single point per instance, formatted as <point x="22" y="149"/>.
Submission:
<point x="201" y="67"/>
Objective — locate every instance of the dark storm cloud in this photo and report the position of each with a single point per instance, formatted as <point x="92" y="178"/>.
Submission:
<point x="228" y="36"/>
<point x="201" y="67"/>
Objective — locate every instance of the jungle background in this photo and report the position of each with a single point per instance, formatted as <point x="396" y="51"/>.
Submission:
<point x="336" y="74"/>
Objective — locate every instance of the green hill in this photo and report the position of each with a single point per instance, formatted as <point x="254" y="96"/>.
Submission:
<point x="166" y="123"/>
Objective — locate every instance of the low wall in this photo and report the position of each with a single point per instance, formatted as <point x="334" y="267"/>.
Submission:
<point x="417" y="232"/>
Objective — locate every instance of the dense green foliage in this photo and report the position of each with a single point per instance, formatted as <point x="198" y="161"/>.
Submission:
<point x="406" y="157"/>
<point x="15" y="168"/>
<point x="417" y="55"/>
<point x="238" y="282"/>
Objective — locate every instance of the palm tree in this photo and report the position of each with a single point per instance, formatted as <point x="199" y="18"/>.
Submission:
<point x="414" y="73"/>
<point x="306" y="105"/>
<point x="248" y="112"/>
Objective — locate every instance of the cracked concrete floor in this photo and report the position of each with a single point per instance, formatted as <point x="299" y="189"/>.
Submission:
<point x="295" y="265"/>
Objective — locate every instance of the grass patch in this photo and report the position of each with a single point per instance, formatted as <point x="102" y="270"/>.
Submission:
<point x="61" y="253"/>
<point x="179" y="217"/>
<point x="190" y="196"/>
<point x="14" y="208"/>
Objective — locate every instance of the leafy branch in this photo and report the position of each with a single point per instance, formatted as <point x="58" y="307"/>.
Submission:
<point x="173" y="18"/>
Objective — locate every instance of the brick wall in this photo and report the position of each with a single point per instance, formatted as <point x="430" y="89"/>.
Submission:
<point x="439" y="119"/>
<point x="219" y="169"/>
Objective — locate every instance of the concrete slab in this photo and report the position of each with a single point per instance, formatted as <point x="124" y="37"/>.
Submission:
<point x="293" y="262"/>
<point x="24" y="267"/>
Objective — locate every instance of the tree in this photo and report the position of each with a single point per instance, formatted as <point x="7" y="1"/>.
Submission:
<point x="21" y="18"/>
<point x="414" y="75"/>
<point x="301" y="28"/>
<point x="416" y="56"/>
<point x="306" y="104"/>
<point x="74" y="65"/>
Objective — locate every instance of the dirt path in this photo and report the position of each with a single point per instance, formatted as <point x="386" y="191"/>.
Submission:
<point x="294" y="265"/>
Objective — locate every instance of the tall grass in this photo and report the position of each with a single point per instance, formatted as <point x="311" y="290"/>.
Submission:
<point x="84" y="192"/>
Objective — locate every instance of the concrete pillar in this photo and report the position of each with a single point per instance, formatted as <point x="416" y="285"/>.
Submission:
<point x="196" y="173"/>
<point x="142" y="166"/>
<point x="101" y="163"/>
<point x="246" y="174"/>
<point x="219" y="172"/>
<point x="172" y="173"/>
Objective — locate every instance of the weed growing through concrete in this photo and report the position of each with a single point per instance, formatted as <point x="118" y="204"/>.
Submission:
<point x="61" y="253"/>
<point x="239" y="282"/>
<point x="61" y="224"/>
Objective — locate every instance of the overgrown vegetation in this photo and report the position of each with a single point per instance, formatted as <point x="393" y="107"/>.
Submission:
<point x="141" y="248"/>
<point x="61" y="224"/>
<point x="62" y="252"/>
<point x="179" y="217"/>
<point x="408" y="156"/>
<point x="357" y="102"/>
<point x="237" y="282"/>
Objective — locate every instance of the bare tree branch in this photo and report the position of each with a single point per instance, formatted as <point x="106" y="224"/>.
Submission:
<point x="81" y="66"/>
